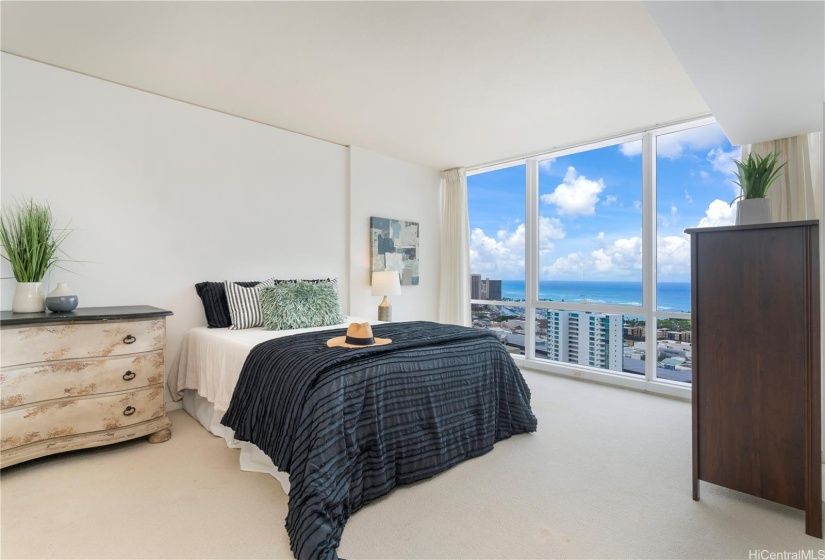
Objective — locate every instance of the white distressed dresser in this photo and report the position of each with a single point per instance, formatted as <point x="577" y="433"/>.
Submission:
<point x="91" y="377"/>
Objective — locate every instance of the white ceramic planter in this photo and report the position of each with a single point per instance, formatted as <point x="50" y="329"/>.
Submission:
<point x="28" y="298"/>
<point x="753" y="211"/>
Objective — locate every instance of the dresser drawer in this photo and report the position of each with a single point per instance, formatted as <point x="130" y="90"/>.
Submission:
<point x="74" y="378"/>
<point x="27" y="345"/>
<point x="77" y="416"/>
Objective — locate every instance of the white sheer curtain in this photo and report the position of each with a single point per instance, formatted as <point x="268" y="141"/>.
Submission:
<point x="797" y="193"/>
<point x="454" y="299"/>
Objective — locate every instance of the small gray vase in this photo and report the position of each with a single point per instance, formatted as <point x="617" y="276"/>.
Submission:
<point x="61" y="299"/>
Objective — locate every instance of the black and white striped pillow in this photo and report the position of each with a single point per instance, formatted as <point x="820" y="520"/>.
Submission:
<point x="215" y="306"/>
<point x="245" y="304"/>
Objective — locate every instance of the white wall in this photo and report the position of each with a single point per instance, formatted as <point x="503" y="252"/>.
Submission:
<point x="162" y="194"/>
<point x="389" y="188"/>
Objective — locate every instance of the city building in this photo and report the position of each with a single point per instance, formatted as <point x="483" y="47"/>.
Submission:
<point x="679" y="336"/>
<point x="493" y="289"/>
<point x="635" y="331"/>
<point x="484" y="289"/>
<point x="671" y="349"/>
<point x="591" y="339"/>
<point x="475" y="286"/>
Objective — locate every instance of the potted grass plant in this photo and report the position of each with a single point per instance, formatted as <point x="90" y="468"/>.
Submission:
<point x="31" y="243"/>
<point x="755" y="176"/>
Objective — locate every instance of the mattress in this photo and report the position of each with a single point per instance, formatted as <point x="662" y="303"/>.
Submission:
<point x="204" y="375"/>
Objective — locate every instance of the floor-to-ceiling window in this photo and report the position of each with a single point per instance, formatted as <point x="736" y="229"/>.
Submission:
<point x="497" y="233"/>
<point x="694" y="188"/>
<point x="575" y="253"/>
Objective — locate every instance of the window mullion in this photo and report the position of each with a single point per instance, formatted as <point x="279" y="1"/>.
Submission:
<point x="649" y="252"/>
<point x="531" y="256"/>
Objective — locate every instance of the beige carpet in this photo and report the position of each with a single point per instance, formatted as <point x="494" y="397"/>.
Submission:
<point x="606" y="476"/>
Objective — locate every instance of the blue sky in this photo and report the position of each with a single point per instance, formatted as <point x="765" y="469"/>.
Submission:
<point x="590" y="209"/>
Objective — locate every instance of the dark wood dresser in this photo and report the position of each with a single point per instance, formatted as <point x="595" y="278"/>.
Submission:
<point x="756" y="363"/>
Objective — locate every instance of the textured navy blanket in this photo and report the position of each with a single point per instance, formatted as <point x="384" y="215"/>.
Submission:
<point x="349" y="425"/>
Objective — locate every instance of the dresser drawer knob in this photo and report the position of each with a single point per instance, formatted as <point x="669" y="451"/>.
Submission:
<point x="129" y="339"/>
<point x="129" y="411"/>
<point x="129" y="375"/>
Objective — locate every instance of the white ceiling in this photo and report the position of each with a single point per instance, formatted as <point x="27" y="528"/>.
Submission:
<point x="760" y="66"/>
<point x="441" y="84"/>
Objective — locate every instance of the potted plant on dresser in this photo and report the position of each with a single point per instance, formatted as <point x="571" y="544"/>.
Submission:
<point x="30" y="242"/>
<point x="755" y="176"/>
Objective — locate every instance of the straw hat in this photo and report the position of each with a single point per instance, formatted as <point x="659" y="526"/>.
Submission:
<point x="359" y="335"/>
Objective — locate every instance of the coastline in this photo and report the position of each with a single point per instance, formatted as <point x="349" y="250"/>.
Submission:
<point x="671" y="296"/>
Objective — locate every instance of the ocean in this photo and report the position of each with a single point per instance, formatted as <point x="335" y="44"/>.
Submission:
<point x="672" y="296"/>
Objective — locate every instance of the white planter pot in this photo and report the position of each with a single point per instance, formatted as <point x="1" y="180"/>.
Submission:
<point x="28" y="298"/>
<point x="753" y="211"/>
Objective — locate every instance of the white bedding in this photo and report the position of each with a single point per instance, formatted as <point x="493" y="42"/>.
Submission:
<point x="205" y="372"/>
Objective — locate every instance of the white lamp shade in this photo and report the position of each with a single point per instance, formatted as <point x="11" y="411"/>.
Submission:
<point x="386" y="283"/>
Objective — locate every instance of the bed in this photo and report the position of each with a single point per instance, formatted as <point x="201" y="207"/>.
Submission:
<point x="204" y="374"/>
<point x="350" y="425"/>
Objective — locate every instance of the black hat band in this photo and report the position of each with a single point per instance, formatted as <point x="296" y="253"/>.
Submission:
<point x="359" y="341"/>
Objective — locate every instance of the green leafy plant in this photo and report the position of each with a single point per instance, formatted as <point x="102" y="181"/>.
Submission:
<point x="30" y="240"/>
<point x="756" y="174"/>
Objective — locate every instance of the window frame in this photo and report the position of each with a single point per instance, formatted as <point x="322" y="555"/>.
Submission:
<point x="649" y="308"/>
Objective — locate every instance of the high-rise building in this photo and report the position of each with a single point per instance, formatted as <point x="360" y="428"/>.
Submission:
<point x="556" y="336"/>
<point x="494" y="289"/>
<point x="475" y="286"/>
<point x="591" y="339"/>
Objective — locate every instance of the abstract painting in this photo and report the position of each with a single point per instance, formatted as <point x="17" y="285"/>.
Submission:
<point x="395" y="247"/>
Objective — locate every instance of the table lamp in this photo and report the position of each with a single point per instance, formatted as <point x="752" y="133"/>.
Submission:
<point x="386" y="283"/>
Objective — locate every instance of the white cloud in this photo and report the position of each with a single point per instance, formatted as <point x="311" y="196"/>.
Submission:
<point x="722" y="161"/>
<point x="719" y="213"/>
<point x="600" y="236"/>
<point x="688" y="197"/>
<point x="626" y="254"/>
<point x="673" y="256"/>
<point x="621" y="259"/>
<point x="637" y="204"/>
<point x="549" y="228"/>
<point x="704" y="175"/>
<point x="601" y="261"/>
<point x="512" y="240"/>
<point x="666" y="220"/>
<point x="631" y="149"/>
<point x="576" y="195"/>
<point x="674" y="145"/>
<point x="610" y="199"/>
<point x="570" y="266"/>
<point x="547" y="164"/>
<point x="502" y="256"/>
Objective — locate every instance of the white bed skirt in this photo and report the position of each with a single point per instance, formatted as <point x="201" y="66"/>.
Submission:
<point x="207" y="368"/>
<point x="252" y="458"/>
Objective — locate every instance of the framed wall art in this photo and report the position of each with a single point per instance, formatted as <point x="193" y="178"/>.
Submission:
<point x="395" y="247"/>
